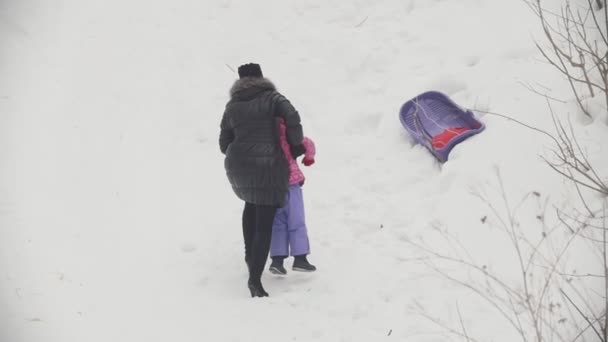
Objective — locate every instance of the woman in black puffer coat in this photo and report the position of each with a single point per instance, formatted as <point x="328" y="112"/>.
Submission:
<point x="255" y="164"/>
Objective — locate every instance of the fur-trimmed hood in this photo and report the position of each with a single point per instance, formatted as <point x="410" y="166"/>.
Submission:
<point x="248" y="87"/>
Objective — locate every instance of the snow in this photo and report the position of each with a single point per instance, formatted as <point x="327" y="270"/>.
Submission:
<point x="117" y="222"/>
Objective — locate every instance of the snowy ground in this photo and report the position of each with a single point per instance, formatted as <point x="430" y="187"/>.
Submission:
<point x="116" y="219"/>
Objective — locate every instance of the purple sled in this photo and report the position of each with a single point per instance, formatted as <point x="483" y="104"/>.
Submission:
<point x="432" y="113"/>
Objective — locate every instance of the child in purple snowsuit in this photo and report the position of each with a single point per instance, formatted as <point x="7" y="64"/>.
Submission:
<point x="289" y="235"/>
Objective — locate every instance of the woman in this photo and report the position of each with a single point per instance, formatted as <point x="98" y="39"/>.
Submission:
<point x="255" y="164"/>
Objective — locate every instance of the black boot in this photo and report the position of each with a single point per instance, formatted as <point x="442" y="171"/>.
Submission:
<point x="276" y="267"/>
<point x="256" y="289"/>
<point x="301" y="264"/>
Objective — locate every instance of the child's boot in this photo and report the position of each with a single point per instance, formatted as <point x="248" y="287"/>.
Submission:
<point x="301" y="264"/>
<point x="276" y="267"/>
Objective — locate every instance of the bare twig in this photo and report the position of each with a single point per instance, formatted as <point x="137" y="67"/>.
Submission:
<point x="362" y="22"/>
<point x="591" y="324"/>
<point x="518" y="122"/>
<point x="535" y="91"/>
<point x="464" y="330"/>
<point x="573" y="51"/>
<point x="443" y="326"/>
<point x="605" y="236"/>
<point x="595" y="20"/>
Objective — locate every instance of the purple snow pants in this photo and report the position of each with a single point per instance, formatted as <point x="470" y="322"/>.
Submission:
<point x="289" y="228"/>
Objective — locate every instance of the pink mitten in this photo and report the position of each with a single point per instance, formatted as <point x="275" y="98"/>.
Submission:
<point x="308" y="161"/>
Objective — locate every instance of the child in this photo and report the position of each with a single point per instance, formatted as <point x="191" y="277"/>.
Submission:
<point x="289" y="235"/>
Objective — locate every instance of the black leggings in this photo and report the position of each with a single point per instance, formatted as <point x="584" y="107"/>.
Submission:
<point x="257" y="231"/>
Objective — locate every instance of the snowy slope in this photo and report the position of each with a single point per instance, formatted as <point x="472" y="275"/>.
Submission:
<point x="117" y="222"/>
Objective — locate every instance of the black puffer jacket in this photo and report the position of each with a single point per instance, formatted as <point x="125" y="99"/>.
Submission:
<point x="249" y="137"/>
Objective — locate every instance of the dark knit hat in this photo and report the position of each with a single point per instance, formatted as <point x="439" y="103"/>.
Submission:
<point x="250" y="70"/>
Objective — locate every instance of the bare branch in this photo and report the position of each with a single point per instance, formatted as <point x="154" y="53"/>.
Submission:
<point x="605" y="238"/>
<point x="444" y="326"/>
<point x="597" y="24"/>
<point x="464" y="330"/>
<point x="582" y="315"/>
<point x="519" y="122"/>
<point x="572" y="179"/>
<point x="535" y="91"/>
<point x="481" y="294"/>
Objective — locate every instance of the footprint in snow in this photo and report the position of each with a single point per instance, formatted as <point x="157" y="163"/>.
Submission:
<point x="471" y="61"/>
<point x="188" y="248"/>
